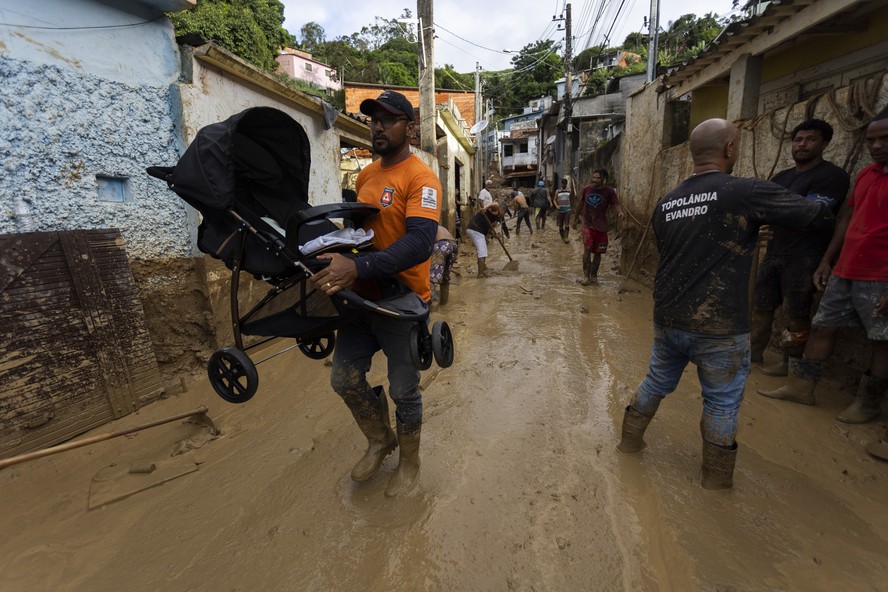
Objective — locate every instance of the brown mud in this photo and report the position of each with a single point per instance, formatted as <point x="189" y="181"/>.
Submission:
<point x="520" y="488"/>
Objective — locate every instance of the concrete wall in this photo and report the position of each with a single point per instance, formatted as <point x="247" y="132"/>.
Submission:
<point x="76" y="106"/>
<point x="450" y="154"/>
<point x="212" y="95"/>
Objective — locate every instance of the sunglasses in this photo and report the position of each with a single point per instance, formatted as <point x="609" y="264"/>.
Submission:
<point x="386" y="121"/>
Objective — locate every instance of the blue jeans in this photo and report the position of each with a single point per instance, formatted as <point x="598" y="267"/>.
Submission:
<point x="356" y="342"/>
<point x="722" y="366"/>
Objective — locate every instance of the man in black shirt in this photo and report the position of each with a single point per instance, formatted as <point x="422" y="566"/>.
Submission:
<point x="792" y="256"/>
<point x="706" y="230"/>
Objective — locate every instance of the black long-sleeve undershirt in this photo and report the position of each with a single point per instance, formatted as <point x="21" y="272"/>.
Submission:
<point x="411" y="249"/>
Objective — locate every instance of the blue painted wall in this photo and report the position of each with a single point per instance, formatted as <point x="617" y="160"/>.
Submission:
<point x="89" y="93"/>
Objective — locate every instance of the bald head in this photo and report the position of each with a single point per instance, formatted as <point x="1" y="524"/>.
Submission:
<point x="714" y="142"/>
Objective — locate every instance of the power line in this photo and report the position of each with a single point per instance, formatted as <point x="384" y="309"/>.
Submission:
<point x="123" y="26"/>
<point x="471" y="42"/>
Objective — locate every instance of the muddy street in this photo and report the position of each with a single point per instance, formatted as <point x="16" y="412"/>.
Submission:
<point x="520" y="489"/>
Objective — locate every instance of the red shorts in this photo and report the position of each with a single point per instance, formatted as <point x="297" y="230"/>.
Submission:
<point x="594" y="240"/>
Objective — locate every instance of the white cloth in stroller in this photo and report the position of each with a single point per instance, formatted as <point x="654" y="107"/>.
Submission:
<point x="350" y="237"/>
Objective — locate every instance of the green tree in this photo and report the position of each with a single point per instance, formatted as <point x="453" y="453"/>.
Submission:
<point x="313" y="35"/>
<point x="250" y="29"/>
<point x="636" y="42"/>
<point x="535" y="69"/>
<point x="448" y="78"/>
<point x="687" y="36"/>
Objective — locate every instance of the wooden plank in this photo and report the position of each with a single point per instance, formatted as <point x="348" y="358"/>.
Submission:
<point x="95" y="305"/>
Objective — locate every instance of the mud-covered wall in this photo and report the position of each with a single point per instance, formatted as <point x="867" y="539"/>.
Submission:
<point x="88" y="101"/>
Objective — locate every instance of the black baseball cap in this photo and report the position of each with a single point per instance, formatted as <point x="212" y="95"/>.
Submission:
<point x="391" y="101"/>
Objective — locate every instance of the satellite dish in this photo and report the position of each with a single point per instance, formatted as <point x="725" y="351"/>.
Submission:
<point x="478" y="127"/>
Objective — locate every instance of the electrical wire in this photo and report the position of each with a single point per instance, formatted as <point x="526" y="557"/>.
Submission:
<point x="94" y="27"/>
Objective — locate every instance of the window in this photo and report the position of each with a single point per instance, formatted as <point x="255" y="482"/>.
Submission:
<point x="329" y="73"/>
<point x="523" y="148"/>
<point x="508" y="149"/>
<point x="113" y="189"/>
<point x="308" y="66"/>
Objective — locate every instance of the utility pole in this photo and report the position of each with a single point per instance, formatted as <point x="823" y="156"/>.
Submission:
<point x="478" y="177"/>
<point x="568" y="107"/>
<point x="427" y="114"/>
<point x="653" y="34"/>
<point x="567" y="159"/>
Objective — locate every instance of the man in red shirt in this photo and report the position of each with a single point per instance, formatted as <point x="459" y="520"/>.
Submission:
<point x="597" y="199"/>
<point x="856" y="294"/>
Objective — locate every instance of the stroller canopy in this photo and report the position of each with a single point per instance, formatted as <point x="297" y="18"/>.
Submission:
<point x="259" y="158"/>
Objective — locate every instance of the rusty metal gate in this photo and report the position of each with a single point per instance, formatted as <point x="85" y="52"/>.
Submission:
<point x="74" y="346"/>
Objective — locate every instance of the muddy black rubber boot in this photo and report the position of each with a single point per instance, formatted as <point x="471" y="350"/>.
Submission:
<point x="800" y="382"/>
<point x="718" y="466"/>
<point x="373" y="419"/>
<point x="566" y="236"/>
<point x="632" y="432"/>
<point x="408" y="464"/>
<point x="760" y="335"/>
<point x="867" y="404"/>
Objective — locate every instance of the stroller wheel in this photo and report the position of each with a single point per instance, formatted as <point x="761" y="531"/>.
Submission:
<point x="318" y="348"/>
<point x="233" y="375"/>
<point x="421" y="346"/>
<point x="442" y="344"/>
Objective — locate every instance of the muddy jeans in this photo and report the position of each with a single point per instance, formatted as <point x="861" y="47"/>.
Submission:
<point x="722" y="366"/>
<point x="356" y="342"/>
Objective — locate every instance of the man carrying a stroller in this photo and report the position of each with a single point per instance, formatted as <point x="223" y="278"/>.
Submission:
<point x="407" y="193"/>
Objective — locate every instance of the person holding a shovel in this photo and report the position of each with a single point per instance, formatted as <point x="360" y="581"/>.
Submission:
<point x="480" y="227"/>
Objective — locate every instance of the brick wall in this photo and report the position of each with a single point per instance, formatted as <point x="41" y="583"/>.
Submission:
<point x="356" y="93"/>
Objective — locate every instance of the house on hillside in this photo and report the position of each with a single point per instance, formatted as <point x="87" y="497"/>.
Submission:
<point x="520" y="144"/>
<point x="300" y="65"/>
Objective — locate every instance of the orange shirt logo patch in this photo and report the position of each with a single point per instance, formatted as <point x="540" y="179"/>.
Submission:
<point x="388" y="196"/>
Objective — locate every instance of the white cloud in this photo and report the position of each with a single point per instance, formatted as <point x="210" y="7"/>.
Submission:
<point x="496" y="25"/>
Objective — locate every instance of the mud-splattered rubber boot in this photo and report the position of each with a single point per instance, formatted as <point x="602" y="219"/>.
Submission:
<point x="800" y="383"/>
<point x="408" y="464"/>
<point x="482" y="267"/>
<point x="867" y="404"/>
<point x="566" y="236"/>
<point x="445" y="293"/>
<point x="373" y="419"/>
<point x="632" y="432"/>
<point x="718" y="466"/>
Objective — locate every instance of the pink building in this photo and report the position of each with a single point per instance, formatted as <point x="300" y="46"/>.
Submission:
<point x="300" y="65"/>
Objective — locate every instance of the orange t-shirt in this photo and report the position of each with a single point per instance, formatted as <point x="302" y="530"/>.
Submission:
<point x="410" y="189"/>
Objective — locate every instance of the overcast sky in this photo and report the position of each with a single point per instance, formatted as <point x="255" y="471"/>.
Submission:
<point x="496" y="25"/>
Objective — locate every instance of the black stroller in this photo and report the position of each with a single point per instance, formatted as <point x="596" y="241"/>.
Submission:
<point x="248" y="177"/>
